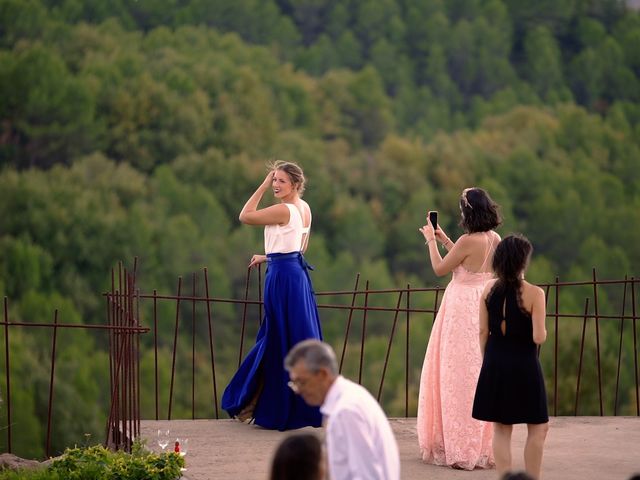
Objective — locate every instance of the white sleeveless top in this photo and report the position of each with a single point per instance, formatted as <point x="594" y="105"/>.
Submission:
<point x="285" y="238"/>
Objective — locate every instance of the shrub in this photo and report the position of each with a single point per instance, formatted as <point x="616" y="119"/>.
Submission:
<point x="99" y="463"/>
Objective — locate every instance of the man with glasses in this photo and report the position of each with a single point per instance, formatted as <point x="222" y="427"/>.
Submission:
<point x="360" y="443"/>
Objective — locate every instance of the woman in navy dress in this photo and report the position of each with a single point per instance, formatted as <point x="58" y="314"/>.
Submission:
<point x="510" y="387"/>
<point x="258" y="392"/>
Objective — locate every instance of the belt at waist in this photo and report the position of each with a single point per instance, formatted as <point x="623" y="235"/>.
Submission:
<point x="272" y="257"/>
<point x="293" y="256"/>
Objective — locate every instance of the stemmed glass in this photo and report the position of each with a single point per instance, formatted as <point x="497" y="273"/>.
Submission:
<point x="182" y="447"/>
<point x="163" y="438"/>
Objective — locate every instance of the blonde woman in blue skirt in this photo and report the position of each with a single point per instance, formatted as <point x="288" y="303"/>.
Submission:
<point x="258" y="392"/>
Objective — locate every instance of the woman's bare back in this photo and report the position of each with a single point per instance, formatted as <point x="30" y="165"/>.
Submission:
<point x="479" y="247"/>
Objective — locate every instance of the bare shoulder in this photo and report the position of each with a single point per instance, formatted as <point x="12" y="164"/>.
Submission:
<point x="532" y="291"/>
<point x="281" y="207"/>
<point x="465" y="240"/>
<point x="477" y="238"/>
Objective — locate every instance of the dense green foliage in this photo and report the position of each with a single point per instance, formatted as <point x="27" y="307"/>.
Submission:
<point x="23" y="474"/>
<point x="140" y="128"/>
<point x="99" y="463"/>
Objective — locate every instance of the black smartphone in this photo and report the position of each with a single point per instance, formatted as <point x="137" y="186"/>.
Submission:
<point x="433" y="218"/>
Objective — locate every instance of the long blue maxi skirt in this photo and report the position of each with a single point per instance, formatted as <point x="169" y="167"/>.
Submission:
<point x="291" y="315"/>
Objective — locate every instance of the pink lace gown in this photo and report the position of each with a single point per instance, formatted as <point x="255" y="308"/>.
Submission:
<point x="447" y="434"/>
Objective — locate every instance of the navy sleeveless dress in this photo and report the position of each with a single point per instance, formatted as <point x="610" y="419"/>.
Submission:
<point x="510" y="387"/>
<point x="290" y="316"/>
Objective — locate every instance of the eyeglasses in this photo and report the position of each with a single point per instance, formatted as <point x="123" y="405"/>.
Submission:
<point x="297" y="384"/>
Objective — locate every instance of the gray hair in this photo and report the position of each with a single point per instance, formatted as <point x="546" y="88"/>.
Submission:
<point x="315" y="354"/>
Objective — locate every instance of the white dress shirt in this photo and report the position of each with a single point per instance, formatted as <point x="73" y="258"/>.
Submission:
<point x="360" y="442"/>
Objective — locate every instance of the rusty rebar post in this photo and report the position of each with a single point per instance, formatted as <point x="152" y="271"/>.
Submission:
<point x="346" y="333"/>
<point x="244" y="315"/>
<point x="584" y="329"/>
<point x="7" y="373"/>
<point x="193" y="348"/>
<point x="155" y="349"/>
<point x="211" y="336"/>
<point x="555" y="348"/>
<point x="624" y="302"/>
<point x="364" y="330"/>
<point x="406" y="354"/>
<point x="596" y="319"/>
<point x="51" y="378"/>
<point x="635" y="345"/>
<point x="393" y="331"/>
<point x="175" y="344"/>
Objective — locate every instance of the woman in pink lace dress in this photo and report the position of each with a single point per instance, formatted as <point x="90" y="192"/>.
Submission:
<point x="447" y="434"/>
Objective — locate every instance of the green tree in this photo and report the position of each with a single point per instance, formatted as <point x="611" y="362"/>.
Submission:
<point x="394" y="68"/>
<point x="75" y="11"/>
<point x="310" y="17"/>
<point x="355" y="230"/>
<point x="49" y="116"/>
<point x="21" y="20"/>
<point x="370" y="111"/>
<point x="349" y="51"/>
<point x="338" y="20"/>
<point x="359" y="107"/>
<point x="586" y="77"/>
<point x="589" y="32"/>
<point x="319" y="57"/>
<point x="461" y="60"/>
<point x="544" y="62"/>
<point x="24" y="267"/>
<point x="492" y="44"/>
<point x="619" y="80"/>
<point x="437" y="77"/>
<point x="255" y="21"/>
<point x="375" y="20"/>
<point x="627" y="34"/>
<point x="426" y="24"/>
<point x="529" y="14"/>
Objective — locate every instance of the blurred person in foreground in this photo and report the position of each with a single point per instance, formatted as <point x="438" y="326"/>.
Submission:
<point x="359" y="439"/>
<point x="516" y="476"/>
<point x="298" y="457"/>
<point x="511" y="387"/>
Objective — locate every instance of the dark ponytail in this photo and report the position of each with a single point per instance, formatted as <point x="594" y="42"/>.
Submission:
<point x="510" y="260"/>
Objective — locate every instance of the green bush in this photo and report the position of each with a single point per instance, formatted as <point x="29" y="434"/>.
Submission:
<point x="43" y="474"/>
<point x="99" y="463"/>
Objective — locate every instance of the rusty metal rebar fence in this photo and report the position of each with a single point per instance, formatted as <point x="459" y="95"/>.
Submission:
<point x="394" y="325"/>
<point x="417" y="306"/>
<point x="123" y="330"/>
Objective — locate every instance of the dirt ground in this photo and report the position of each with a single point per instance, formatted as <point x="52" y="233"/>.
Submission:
<point x="585" y="448"/>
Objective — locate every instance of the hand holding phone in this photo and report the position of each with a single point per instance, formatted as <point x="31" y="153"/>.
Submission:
<point x="433" y="218"/>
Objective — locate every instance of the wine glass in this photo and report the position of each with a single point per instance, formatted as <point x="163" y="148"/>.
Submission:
<point x="182" y="446"/>
<point x="163" y="438"/>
